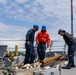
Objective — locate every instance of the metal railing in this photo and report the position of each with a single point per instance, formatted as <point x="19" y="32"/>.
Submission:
<point x="55" y="45"/>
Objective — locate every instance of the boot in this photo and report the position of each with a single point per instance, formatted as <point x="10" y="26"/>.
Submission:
<point x="67" y="67"/>
<point x="73" y="65"/>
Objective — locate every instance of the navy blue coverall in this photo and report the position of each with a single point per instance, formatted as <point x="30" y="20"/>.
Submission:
<point x="41" y="49"/>
<point x="30" y="52"/>
<point x="71" y="42"/>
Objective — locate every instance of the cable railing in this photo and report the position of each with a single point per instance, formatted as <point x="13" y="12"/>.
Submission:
<point x="56" y="45"/>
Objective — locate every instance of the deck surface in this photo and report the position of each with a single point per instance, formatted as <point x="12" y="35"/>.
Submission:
<point x="71" y="71"/>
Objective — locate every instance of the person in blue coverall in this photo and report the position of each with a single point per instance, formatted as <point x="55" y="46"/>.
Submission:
<point x="71" y="43"/>
<point x="30" y="52"/>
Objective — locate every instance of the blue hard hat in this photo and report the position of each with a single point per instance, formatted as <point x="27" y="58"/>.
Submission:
<point x="36" y="26"/>
<point x="60" y="30"/>
<point x="43" y="27"/>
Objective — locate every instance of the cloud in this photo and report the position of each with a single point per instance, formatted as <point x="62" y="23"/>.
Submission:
<point x="39" y="10"/>
<point x="3" y="2"/>
<point x="13" y="30"/>
<point x="55" y="14"/>
<point x="9" y="33"/>
<point x="21" y="1"/>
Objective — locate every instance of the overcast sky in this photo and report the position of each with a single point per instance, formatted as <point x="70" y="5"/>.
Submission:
<point x="18" y="16"/>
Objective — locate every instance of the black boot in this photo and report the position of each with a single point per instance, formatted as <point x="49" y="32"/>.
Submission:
<point x="73" y="65"/>
<point x="67" y="67"/>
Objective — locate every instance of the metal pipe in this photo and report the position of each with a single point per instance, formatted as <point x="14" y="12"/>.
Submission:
<point x="72" y="17"/>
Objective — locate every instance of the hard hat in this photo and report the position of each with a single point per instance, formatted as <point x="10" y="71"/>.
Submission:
<point x="61" y="30"/>
<point x="36" y="26"/>
<point x="43" y="27"/>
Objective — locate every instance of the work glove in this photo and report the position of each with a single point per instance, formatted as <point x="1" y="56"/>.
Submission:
<point x="28" y="42"/>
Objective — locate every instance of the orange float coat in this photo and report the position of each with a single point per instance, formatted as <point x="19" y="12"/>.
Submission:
<point x="43" y="37"/>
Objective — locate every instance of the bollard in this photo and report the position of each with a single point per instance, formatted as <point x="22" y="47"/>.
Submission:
<point x="16" y="50"/>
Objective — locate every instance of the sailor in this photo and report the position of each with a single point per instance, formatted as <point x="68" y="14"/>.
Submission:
<point x="30" y="52"/>
<point x="42" y="39"/>
<point x="71" y="43"/>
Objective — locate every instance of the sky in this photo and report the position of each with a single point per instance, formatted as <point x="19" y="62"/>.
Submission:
<point x="18" y="16"/>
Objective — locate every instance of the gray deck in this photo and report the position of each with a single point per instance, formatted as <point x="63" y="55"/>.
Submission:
<point x="71" y="71"/>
